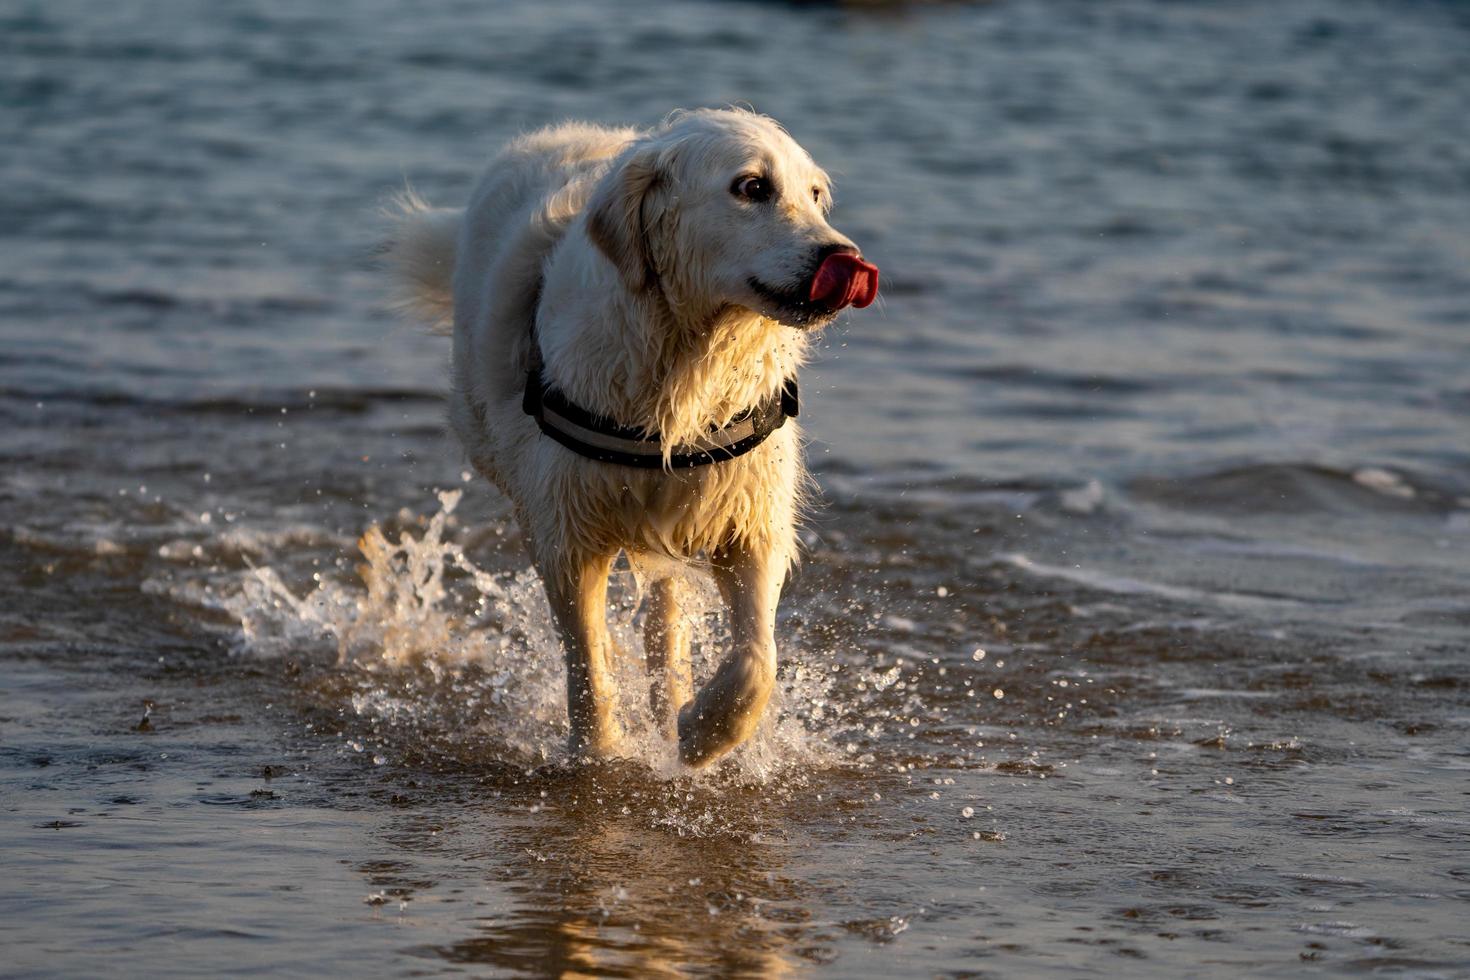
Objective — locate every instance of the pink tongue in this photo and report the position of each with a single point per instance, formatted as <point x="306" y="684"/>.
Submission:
<point x="844" y="280"/>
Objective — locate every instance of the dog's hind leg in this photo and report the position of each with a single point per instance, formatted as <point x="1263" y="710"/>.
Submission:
<point x="578" y="596"/>
<point x="729" y="707"/>
<point x="666" y="641"/>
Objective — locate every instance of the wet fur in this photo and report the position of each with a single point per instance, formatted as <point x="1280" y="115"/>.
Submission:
<point x="620" y="248"/>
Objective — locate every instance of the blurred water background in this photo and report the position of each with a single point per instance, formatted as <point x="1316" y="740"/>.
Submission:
<point x="1132" y="636"/>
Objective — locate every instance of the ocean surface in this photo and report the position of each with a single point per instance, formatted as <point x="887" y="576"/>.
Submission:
<point x="1133" y="633"/>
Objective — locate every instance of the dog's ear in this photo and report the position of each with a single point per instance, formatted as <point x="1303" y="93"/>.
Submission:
<point x="616" y="221"/>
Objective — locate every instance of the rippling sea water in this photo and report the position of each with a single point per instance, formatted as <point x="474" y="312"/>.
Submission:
<point x="1132" y="635"/>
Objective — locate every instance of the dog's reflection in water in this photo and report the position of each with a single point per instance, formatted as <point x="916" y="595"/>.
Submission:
<point x="604" y="894"/>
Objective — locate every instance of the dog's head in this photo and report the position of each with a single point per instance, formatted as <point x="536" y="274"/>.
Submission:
<point x="722" y="207"/>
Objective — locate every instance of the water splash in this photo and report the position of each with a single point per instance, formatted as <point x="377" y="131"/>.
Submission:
<point x="439" y="650"/>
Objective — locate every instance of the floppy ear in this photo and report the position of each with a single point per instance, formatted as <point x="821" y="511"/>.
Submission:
<point x="616" y="222"/>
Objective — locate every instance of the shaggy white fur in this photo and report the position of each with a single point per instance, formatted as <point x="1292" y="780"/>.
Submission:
<point x="670" y="277"/>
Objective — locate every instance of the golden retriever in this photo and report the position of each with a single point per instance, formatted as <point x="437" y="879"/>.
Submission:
<point x="630" y="308"/>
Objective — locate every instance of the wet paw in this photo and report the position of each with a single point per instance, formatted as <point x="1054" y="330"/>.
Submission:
<point x="694" y="749"/>
<point x="705" y="736"/>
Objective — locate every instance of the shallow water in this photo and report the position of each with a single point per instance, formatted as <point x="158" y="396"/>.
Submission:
<point x="1132" y="633"/>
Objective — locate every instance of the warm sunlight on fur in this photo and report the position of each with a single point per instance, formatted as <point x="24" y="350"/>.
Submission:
<point x="672" y="278"/>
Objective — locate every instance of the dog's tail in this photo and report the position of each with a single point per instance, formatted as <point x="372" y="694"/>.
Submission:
<point x="419" y="259"/>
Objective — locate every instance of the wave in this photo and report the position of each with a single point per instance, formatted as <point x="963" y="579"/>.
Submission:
<point x="1297" y="488"/>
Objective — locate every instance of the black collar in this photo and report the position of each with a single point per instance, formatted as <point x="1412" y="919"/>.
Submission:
<point x="604" y="439"/>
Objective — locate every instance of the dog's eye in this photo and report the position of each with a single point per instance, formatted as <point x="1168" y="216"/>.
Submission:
<point x="752" y="188"/>
<point x="817" y="194"/>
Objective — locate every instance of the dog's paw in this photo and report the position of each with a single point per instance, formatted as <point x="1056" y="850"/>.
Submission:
<point x="728" y="709"/>
<point x="704" y="736"/>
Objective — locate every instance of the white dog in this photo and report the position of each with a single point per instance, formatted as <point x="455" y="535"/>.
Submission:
<point x="629" y="312"/>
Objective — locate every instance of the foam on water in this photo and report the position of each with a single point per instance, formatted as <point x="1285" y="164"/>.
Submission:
<point x="1124" y="585"/>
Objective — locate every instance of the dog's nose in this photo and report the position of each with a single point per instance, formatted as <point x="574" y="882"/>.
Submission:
<point x="843" y="278"/>
<point x="833" y="248"/>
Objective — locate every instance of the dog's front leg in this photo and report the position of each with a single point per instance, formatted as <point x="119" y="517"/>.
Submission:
<point x="577" y="591"/>
<point x="666" y="641"/>
<point x="728" y="708"/>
